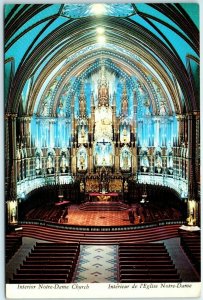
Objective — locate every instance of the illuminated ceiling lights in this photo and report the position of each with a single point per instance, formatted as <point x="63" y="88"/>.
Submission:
<point x="101" y="39"/>
<point x="100" y="30"/>
<point x="98" y="9"/>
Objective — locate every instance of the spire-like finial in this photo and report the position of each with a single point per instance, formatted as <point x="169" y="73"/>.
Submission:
<point x="103" y="89"/>
<point x="82" y="100"/>
<point x="124" y="99"/>
<point x="92" y="99"/>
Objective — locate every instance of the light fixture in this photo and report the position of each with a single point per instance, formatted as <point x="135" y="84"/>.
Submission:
<point x="100" y="30"/>
<point x="98" y="9"/>
<point x="101" y="39"/>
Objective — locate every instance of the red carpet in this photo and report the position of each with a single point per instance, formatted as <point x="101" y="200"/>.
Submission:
<point x="97" y="218"/>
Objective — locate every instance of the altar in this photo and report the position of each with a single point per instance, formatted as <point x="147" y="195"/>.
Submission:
<point x="95" y="196"/>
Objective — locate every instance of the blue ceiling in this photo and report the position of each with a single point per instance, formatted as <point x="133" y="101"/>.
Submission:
<point x="171" y="27"/>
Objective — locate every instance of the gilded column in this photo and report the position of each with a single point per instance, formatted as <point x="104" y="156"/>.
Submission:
<point x="134" y="160"/>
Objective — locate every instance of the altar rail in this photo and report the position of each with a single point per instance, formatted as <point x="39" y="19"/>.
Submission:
<point x="102" y="228"/>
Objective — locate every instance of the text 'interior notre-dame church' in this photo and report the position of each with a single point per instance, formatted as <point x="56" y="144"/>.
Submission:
<point x="102" y="143"/>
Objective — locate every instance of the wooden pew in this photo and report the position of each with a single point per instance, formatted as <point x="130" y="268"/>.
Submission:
<point x="39" y="280"/>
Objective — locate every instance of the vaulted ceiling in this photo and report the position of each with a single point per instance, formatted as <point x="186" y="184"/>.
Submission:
<point x="50" y="49"/>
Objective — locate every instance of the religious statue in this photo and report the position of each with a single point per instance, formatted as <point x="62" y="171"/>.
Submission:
<point x="82" y="132"/>
<point x="125" y="186"/>
<point x="162" y="109"/>
<point x="191" y="220"/>
<point x="145" y="162"/>
<point x="125" y="161"/>
<point x="82" y="187"/>
<point x="103" y="94"/>
<point x="49" y="164"/>
<point x="158" y="163"/>
<point x="38" y="165"/>
<point x="44" y="108"/>
<point x="81" y="161"/>
<point x="170" y="163"/>
<point x="103" y="161"/>
<point x="63" y="163"/>
<point x="61" y="112"/>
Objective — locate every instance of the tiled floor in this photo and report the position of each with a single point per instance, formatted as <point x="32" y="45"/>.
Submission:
<point x="98" y="218"/>
<point x="97" y="264"/>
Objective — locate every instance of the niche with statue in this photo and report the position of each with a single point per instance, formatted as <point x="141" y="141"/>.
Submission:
<point x="64" y="162"/>
<point x="82" y="159"/>
<point x="125" y="159"/>
<point x="144" y="160"/>
<point x="170" y="161"/>
<point x="50" y="162"/>
<point x="158" y="160"/>
<point x="38" y="162"/>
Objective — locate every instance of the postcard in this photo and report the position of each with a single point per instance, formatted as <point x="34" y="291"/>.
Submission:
<point x="102" y="149"/>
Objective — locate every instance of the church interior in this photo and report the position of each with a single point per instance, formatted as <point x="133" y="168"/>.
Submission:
<point x="102" y="142"/>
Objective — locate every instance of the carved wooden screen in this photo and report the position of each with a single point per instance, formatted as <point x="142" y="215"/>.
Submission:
<point x="115" y="185"/>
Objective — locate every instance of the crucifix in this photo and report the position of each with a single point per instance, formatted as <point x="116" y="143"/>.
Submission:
<point x="103" y="142"/>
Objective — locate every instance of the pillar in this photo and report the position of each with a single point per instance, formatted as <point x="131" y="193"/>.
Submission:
<point x="190" y="154"/>
<point x="12" y="203"/>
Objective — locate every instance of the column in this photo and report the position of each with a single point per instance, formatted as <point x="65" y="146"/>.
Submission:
<point x="12" y="204"/>
<point x="37" y="143"/>
<point x="190" y="154"/>
<point x="180" y="129"/>
<point x="90" y="159"/>
<point x="51" y="133"/>
<point x="134" y="160"/>
<point x="7" y="146"/>
<point x="27" y="131"/>
<point x="156" y="143"/>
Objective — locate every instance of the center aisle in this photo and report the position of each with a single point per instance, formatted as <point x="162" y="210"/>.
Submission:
<point x="97" y="264"/>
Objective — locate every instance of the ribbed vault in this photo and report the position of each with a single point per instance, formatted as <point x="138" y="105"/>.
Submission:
<point x="127" y="39"/>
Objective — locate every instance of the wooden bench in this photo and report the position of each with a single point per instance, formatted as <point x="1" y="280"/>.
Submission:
<point x="144" y="266"/>
<point x="144" y="258"/>
<point x="148" y="271"/>
<point x="57" y="260"/>
<point x="40" y="276"/>
<point x="45" y="266"/>
<point x="146" y="280"/>
<point x="51" y="250"/>
<point x="43" y="271"/>
<point x="13" y="243"/>
<point x="39" y="280"/>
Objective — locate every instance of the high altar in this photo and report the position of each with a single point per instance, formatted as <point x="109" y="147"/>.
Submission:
<point x="104" y="141"/>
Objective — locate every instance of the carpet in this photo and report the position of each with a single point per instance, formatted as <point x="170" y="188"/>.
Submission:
<point x="97" y="264"/>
